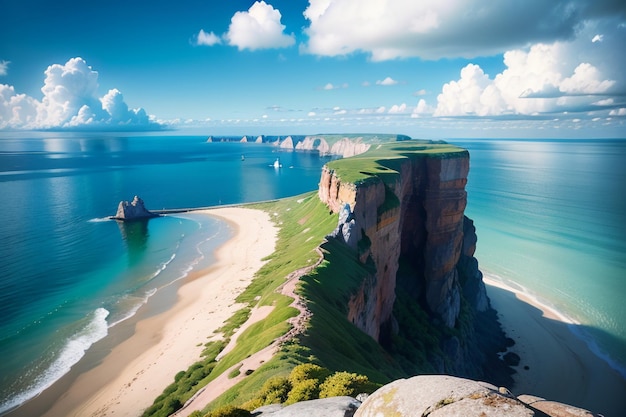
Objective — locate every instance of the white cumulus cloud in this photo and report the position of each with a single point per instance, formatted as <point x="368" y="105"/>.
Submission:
<point x="422" y="109"/>
<point x="434" y="29"/>
<point x="398" y="108"/>
<point x="563" y="76"/>
<point x="70" y="101"/>
<point x="258" y="28"/>
<point x="387" y="81"/>
<point x="207" y="39"/>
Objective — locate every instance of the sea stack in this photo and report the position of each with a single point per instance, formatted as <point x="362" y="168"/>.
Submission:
<point x="133" y="210"/>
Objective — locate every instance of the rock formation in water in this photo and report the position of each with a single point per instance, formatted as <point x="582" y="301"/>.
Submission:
<point x="133" y="210"/>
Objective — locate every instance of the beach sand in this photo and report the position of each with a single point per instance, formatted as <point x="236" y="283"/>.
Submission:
<point x="139" y="363"/>
<point x="141" y="356"/>
<point x="561" y="367"/>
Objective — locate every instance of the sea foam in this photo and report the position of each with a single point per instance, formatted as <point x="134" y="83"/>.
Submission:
<point x="73" y="350"/>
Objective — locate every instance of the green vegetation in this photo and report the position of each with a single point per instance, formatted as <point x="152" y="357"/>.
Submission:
<point x="186" y="383"/>
<point x="331" y="357"/>
<point x="305" y="382"/>
<point x="345" y="383"/>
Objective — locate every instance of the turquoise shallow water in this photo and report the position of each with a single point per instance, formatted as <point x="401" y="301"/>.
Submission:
<point x="68" y="274"/>
<point x="551" y="217"/>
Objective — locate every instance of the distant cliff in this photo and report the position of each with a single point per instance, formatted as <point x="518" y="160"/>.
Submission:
<point x="344" y="145"/>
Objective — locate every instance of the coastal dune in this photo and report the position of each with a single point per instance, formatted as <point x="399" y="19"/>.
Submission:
<point x="137" y="370"/>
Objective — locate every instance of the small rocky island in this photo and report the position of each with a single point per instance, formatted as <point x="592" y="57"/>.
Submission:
<point x="133" y="210"/>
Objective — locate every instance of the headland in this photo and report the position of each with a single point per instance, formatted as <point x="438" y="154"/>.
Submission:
<point x="399" y="206"/>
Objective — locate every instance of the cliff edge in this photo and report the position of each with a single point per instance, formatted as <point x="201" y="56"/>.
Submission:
<point x="401" y="209"/>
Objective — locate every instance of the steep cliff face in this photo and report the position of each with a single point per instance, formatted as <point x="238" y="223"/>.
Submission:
<point x="414" y="211"/>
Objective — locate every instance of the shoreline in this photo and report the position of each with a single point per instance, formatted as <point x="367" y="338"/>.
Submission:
<point x="122" y="374"/>
<point x="555" y="364"/>
<point x="140" y="356"/>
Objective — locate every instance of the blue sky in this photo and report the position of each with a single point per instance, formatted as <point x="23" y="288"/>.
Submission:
<point x="430" y="68"/>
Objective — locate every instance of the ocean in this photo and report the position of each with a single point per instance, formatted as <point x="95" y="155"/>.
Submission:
<point x="68" y="273"/>
<point x="550" y="217"/>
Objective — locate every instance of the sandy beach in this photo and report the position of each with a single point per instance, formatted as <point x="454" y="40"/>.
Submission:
<point x="141" y="356"/>
<point x="560" y="366"/>
<point x="134" y="372"/>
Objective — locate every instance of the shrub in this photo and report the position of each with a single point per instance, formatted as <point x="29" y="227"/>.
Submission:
<point x="303" y="391"/>
<point x="253" y="404"/>
<point x="234" y="373"/>
<point x="308" y="371"/>
<point x="345" y="383"/>
<point x="275" y="390"/>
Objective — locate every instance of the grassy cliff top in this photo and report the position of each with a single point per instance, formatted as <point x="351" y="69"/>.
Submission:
<point x="384" y="159"/>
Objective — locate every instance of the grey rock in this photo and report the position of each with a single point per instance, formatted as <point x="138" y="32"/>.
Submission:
<point x="439" y="396"/>
<point x="553" y="408"/>
<point x="324" y="407"/>
<point x="133" y="210"/>
<point x="345" y="227"/>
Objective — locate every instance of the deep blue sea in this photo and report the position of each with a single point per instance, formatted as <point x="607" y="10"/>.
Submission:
<point x="550" y="216"/>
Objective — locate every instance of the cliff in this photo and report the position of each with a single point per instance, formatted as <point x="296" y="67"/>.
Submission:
<point x="344" y="145"/>
<point x="402" y="210"/>
<point x="410" y="206"/>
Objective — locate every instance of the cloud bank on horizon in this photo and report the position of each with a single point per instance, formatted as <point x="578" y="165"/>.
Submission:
<point x="70" y="102"/>
<point x="559" y="60"/>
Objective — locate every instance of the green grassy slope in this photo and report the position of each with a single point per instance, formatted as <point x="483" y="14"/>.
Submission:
<point x="330" y="340"/>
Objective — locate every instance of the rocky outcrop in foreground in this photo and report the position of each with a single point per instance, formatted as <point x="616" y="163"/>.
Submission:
<point x="133" y="210"/>
<point x="433" y="396"/>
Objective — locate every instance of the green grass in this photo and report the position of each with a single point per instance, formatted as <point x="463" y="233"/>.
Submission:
<point x="383" y="160"/>
<point x="330" y="340"/>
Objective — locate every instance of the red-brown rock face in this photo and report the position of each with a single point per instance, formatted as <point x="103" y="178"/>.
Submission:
<point x="426" y="226"/>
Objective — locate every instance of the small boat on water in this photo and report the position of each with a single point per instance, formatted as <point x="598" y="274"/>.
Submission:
<point x="277" y="163"/>
<point x="243" y="158"/>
